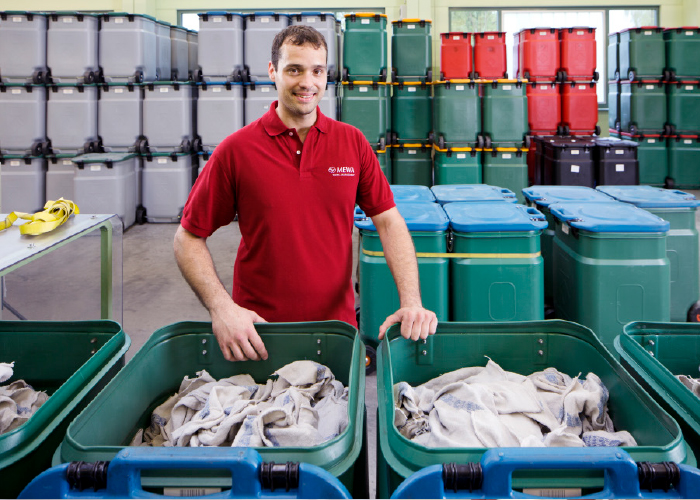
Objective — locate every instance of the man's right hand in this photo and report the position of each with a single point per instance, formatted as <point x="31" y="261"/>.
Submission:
<point x="234" y="330"/>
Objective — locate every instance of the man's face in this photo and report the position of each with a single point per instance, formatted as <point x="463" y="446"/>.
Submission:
<point x="300" y="77"/>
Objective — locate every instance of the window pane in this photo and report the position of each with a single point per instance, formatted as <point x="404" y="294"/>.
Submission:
<point x="622" y="19"/>
<point x="190" y="20"/>
<point x="473" y="21"/>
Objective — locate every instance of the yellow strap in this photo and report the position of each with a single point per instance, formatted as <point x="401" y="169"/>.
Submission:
<point x="372" y="253"/>
<point x="54" y="214"/>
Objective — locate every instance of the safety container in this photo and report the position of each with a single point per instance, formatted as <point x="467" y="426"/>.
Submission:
<point x="72" y="52"/>
<point x="543" y="108"/>
<point x="655" y="353"/>
<point x="23" y="118"/>
<point x="22" y="183"/>
<point x="163" y="51"/>
<point x="472" y="193"/>
<point x="384" y="159"/>
<point x="457" y="166"/>
<point x="329" y="102"/>
<point x="643" y="107"/>
<point x="120" y="116"/>
<point x="579" y="109"/>
<point x="683" y="107"/>
<point x="258" y="99"/>
<point x="405" y="193"/>
<point x="412" y="164"/>
<point x="260" y="31"/>
<point x="168" y="117"/>
<point x="615" y="161"/>
<point x="678" y="208"/>
<point x="538" y="54"/>
<point x="411" y="50"/>
<point x="578" y="54"/>
<point x="365" y="47"/>
<point x="642" y="53"/>
<point x="166" y="183"/>
<point x="127" y="47"/>
<point x="682" y="53"/>
<point x="683" y="158"/>
<point x="456" y="56"/>
<point x="456" y="114"/>
<point x="179" y="54"/>
<point x="411" y="112"/>
<point x="23" y="47"/>
<point x="326" y="24"/>
<point x="498" y="275"/>
<point x="506" y="167"/>
<point x="614" y="122"/>
<point x="504" y="114"/>
<point x="220" y="46"/>
<point x="653" y="158"/>
<point x="542" y="197"/>
<point x="59" y="177"/>
<point x="366" y="105"/>
<point x="535" y="161"/>
<point x="614" y="57"/>
<point x="185" y="348"/>
<point x="610" y="266"/>
<point x="71" y="118"/>
<point x="379" y="298"/>
<point x="490" y="55"/>
<point x="568" y="161"/>
<point x="219" y="112"/>
<point x="192" y="52"/>
<point x="91" y="353"/>
<point x="105" y="183"/>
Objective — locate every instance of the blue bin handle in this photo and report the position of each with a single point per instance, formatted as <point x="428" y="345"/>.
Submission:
<point x="536" y="213"/>
<point x="561" y="213"/>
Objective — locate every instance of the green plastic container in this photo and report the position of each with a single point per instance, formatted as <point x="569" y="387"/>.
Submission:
<point x="72" y="362"/>
<point x="654" y="353"/>
<point x="504" y="113"/>
<point x="412" y="164"/>
<point x="379" y="298"/>
<point x="498" y="275"/>
<point x="155" y="373"/>
<point x="683" y="161"/>
<point x="610" y="266"/>
<point x="614" y="122"/>
<point x="642" y="107"/>
<point x="506" y="167"/>
<point x="642" y="53"/>
<point x="365" y="47"/>
<point x="457" y="166"/>
<point x="613" y="56"/>
<point x="683" y="107"/>
<point x="365" y="105"/>
<point x="412" y="50"/>
<point x="457" y="113"/>
<point x="653" y="159"/>
<point x="521" y="347"/>
<point x="384" y="159"/>
<point x="682" y="53"/>
<point x="678" y="208"/>
<point x="411" y="112"/>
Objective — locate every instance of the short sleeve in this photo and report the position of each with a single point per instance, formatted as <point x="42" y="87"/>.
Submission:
<point x="374" y="194"/>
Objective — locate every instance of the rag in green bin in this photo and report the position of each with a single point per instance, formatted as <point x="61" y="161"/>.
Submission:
<point x="691" y="383"/>
<point x="18" y="400"/>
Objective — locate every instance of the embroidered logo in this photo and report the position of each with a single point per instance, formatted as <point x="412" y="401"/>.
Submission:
<point x="332" y="170"/>
<point x="342" y="171"/>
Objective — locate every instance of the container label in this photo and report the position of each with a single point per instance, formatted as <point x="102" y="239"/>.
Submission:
<point x="67" y="163"/>
<point x="575" y="169"/>
<point x="620" y="167"/>
<point x="553" y="492"/>
<point x="461" y="156"/>
<point x="575" y="151"/>
<point x="456" y="37"/>
<point x="364" y="21"/>
<point x="565" y="228"/>
<point x="265" y="20"/>
<point x="543" y="87"/>
<point x="162" y="161"/>
<point x="651" y="141"/>
<point x="647" y="32"/>
<point x="579" y="33"/>
<point x="216" y="89"/>
<point x="14" y="163"/>
<point x="119" y="20"/>
<point x="364" y="89"/>
<point x="650" y="87"/>
<point x="67" y="19"/>
<point x="412" y="151"/>
<point x="411" y="26"/>
<point x="190" y="492"/>
<point x="507" y="87"/>
<point x="543" y="33"/>
<point x="411" y="89"/>
<point x="490" y="37"/>
<point x="582" y="87"/>
<point x="164" y="89"/>
<point x="310" y="19"/>
<point x="118" y="91"/>
<point x="507" y="156"/>
<point x="688" y="33"/>
<point x="95" y="168"/>
<point x="687" y="141"/>
<point x="264" y="89"/>
<point x="688" y="87"/>
<point x="16" y="19"/>
<point x="459" y="87"/>
<point x="16" y="91"/>
<point x="67" y="91"/>
<point x="619" y="151"/>
<point x="217" y="20"/>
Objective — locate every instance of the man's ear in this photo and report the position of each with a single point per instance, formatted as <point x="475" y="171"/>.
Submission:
<point x="271" y="71"/>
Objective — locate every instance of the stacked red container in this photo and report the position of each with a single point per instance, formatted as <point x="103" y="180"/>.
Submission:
<point x="578" y="54"/>
<point x="579" y="109"/>
<point x="490" y="55"/>
<point x="537" y="56"/>
<point x="456" y="56"/>
<point x="543" y="108"/>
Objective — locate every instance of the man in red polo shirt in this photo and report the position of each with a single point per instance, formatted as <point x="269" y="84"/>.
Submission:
<point x="293" y="177"/>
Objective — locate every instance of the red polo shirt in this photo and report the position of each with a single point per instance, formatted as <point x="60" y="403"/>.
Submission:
<point x="295" y="207"/>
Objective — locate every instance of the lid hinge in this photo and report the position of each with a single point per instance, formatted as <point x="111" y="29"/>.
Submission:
<point x="462" y="476"/>
<point x="661" y="475"/>
<point x="83" y="475"/>
<point x="276" y="476"/>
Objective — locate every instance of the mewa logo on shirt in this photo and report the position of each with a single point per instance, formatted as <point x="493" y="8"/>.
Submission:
<point x="342" y="171"/>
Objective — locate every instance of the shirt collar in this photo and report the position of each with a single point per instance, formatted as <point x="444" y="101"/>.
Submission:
<point x="274" y="126"/>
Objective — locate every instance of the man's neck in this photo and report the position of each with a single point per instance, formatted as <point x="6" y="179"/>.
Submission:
<point x="302" y="124"/>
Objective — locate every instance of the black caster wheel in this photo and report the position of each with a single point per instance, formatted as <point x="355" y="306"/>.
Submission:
<point x="393" y="75"/>
<point x="138" y="77"/>
<point x="382" y="144"/>
<point x="100" y="76"/>
<point x="596" y="76"/>
<point x="382" y="75"/>
<point x="694" y="313"/>
<point x="480" y="141"/>
<point x="526" y="76"/>
<point x="88" y="147"/>
<point x="89" y="77"/>
<point x="431" y="138"/>
<point x="442" y="76"/>
<point x="441" y="141"/>
<point x="197" y="145"/>
<point x="37" y="149"/>
<point x="140" y="215"/>
<point x="631" y="75"/>
<point x="618" y="126"/>
<point x="38" y="77"/>
<point x="633" y="130"/>
<point x="671" y="76"/>
<point x="616" y="76"/>
<point x="669" y="183"/>
<point x="48" y="77"/>
<point x="566" y="130"/>
<point x="370" y="360"/>
<point x="185" y="146"/>
<point x="143" y="146"/>
<point x="344" y="75"/>
<point x="597" y="130"/>
<point x="198" y="75"/>
<point x="487" y="142"/>
<point x="429" y="76"/>
<point x="528" y="141"/>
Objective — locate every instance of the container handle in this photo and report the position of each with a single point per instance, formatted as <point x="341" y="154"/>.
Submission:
<point x="561" y="213"/>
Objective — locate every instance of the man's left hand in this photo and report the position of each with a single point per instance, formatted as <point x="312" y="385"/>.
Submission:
<point x="416" y="323"/>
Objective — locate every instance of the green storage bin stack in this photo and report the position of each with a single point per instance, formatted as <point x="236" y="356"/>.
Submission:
<point x="522" y="347"/>
<point x="504" y="114"/>
<point x="498" y="275"/>
<point x="678" y="208"/>
<point x="457" y="166"/>
<point x="683" y="108"/>
<point x="155" y="373"/>
<point x="614" y="57"/>
<point x="642" y="53"/>
<point x="365" y="47"/>
<point x="379" y="298"/>
<point x="72" y="362"/>
<point x="457" y="114"/>
<point x="412" y="164"/>
<point x="682" y="53"/>
<point x="384" y="159"/>
<point x="411" y="112"/>
<point x="506" y="167"/>
<point x="614" y="122"/>
<point x="653" y="158"/>
<point x="366" y="105"/>
<point x="412" y="50"/>
<point x="643" y="107"/>
<point x="683" y="161"/>
<point x="610" y="266"/>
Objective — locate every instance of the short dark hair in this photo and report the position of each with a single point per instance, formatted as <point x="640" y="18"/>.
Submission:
<point x="297" y="35"/>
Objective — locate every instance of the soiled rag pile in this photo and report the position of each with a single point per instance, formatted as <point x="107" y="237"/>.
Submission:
<point x="18" y="400"/>
<point x="691" y="383"/>
<point x="490" y="407"/>
<point x="304" y="406"/>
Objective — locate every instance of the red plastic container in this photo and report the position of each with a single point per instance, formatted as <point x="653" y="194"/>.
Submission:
<point x="543" y="108"/>
<point x="538" y="54"/>
<point x="579" y="108"/>
<point x="578" y="54"/>
<point x="490" y="55"/>
<point x="455" y="56"/>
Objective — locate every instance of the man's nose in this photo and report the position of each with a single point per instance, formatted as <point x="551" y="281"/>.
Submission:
<point x="307" y="80"/>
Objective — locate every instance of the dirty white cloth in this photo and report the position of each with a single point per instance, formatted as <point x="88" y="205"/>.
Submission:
<point x="490" y="407"/>
<point x="18" y="400"/>
<point x="691" y="383"/>
<point x="304" y="406"/>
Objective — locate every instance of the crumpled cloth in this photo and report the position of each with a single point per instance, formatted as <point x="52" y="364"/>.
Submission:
<point x="490" y="407"/>
<point x="18" y="400"/>
<point x="305" y="406"/>
<point x="691" y="383"/>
